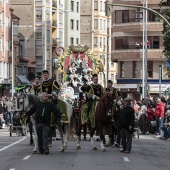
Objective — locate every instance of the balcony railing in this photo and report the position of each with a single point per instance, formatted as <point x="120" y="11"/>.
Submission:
<point x="129" y="20"/>
<point x="126" y="47"/>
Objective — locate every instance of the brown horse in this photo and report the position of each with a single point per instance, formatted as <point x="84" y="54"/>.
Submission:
<point x="77" y="113"/>
<point x="104" y="117"/>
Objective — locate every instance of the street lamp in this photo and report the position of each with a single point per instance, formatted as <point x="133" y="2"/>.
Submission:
<point x="12" y="55"/>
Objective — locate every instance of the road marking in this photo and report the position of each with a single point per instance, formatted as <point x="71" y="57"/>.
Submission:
<point x="27" y="157"/>
<point x="126" y="159"/>
<point x="12" y="169"/>
<point x="6" y="147"/>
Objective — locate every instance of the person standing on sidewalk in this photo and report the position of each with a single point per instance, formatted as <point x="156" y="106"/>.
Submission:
<point x="127" y="118"/>
<point x="9" y="105"/>
<point x="42" y="110"/>
<point x="159" y="113"/>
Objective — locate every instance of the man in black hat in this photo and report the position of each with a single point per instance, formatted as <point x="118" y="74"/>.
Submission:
<point x="114" y="91"/>
<point x="127" y="118"/>
<point x="35" y="88"/>
<point x="49" y="85"/>
<point x="94" y="92"/>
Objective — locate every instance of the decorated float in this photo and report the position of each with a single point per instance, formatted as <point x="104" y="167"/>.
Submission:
<point x="77" y="65"/>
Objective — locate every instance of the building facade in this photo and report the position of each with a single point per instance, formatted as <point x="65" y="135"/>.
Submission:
<point x="72" y="22"/>
<point x="95" y="31"/>
<point x="5" y="72"/>
<point x="127" y="48"/>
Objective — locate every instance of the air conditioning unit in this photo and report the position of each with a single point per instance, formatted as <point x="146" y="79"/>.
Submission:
<point x="139" y="16"/>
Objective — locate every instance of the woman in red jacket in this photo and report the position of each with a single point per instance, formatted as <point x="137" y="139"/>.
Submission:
<point x="159" y="114"/>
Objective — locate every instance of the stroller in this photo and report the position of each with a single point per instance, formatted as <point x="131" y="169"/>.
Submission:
<point x="18" y="126"/>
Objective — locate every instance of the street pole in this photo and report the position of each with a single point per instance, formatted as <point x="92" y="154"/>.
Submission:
<point x="143" y="56"/>
<point x="160" y="77"/>
<point x="146" y="48"/>
<point x="45" y="40"/>
<point x="12" y="55"/>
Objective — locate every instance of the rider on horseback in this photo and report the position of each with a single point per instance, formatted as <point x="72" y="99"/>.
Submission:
<point x="94" y="94"/>
<point x="35" y="88"/>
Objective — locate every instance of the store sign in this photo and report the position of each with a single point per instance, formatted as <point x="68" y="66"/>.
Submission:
<point x="125" y="86"/>
<point x="155" y="87"/>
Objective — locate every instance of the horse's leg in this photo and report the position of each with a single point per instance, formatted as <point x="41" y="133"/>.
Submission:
<point x="92" y="131"/>
<point x="60" y="129"/>
<point x="78" y="133"/>
<point x="102" y="138"/>
<point x="35" y="138"/>
<point x="85" y="131"/>
<point x="31" y="133"/>
<point x="66" y="129"/>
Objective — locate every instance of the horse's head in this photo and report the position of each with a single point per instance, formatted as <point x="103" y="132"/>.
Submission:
<point x="25" y="101"/>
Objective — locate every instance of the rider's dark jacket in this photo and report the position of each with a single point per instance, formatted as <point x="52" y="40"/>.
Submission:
<point x="115" y="92"/>
<point x="43" y="111"/>
<point x="49" y="85"/>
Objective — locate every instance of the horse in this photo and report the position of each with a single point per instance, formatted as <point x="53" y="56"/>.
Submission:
<point x="29" y="100"/>
<point x="103" y="118"/>
<point x="77" y="105"/>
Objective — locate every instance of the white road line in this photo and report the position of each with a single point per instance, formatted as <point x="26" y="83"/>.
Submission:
<point x="126" y="159"/>
<point x="12" y="169"/>
<point x="27" y="157"/>
<point x="6" y="147"/>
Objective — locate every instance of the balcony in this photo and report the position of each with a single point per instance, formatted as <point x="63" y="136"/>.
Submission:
<point x="135" y="2"/>
<point x="133" y="54"/>
<point x="54" y="23"/>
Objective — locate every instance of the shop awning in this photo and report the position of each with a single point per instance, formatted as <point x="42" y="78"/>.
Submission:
<point x="23" y="79"/>
<point x="18" y="88"/>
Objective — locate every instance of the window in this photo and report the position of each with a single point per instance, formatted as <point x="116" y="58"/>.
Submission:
<point x="122" y="69"/>
<point x="134" y="69"/>
<point x="77" y="40"/>
<point x="122" y="16"/>
<point x="39" y="15"/>
<point x="104" y="24"/>
<point x="72" y="24"/>
<point x="95" y="41"/>
<point x="95" y="23"/>
<point x="100" y="24"/>
<point x="100" y="42"/>
<point x="112" y="64"/>
<point x="77" y="24"/>
<point x="71" y="40"/>
<point x="150" y="69"/>
<point x="101" y="5"/>
<point x="104" y="41"/>
<point x="95" y="5"/>
<point x="72" y="6"/>
<point x="77" y="6"/>
<point x="112" y="77"/>
<point x="38" y="35"/>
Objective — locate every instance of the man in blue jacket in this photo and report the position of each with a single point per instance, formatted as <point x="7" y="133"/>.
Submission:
<point x="42" y="110"/>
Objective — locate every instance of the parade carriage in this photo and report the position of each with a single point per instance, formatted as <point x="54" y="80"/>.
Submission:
<point x="18" y="125"/>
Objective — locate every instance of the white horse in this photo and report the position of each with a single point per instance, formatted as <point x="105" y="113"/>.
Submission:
<point x="26" y="101"/>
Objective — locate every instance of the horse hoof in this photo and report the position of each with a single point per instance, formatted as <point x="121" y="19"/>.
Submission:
<point x="65" y="147"/>
<point x="78" y="147"/>
<point x="103" y="150"/>
<point x="62" y="150"/>
<point x="94" y="148"/>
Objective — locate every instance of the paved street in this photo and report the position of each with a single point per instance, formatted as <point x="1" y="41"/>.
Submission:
<point x="148" y="153"/>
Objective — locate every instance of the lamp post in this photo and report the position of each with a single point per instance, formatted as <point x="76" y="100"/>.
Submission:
<point x="12" y="55"/>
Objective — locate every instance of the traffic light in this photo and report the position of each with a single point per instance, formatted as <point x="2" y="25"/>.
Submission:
<point x="107" y="8"/>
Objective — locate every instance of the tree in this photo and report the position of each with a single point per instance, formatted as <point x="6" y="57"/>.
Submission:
<point x="166" y="29"/>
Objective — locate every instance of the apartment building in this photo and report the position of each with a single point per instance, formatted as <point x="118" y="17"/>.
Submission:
<point x="5" y="15"/>
<point x="45" y="29"/>
<point x="72" y="22"/>
<point x="96" y="33"/>
<point x="127" y="48"/>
